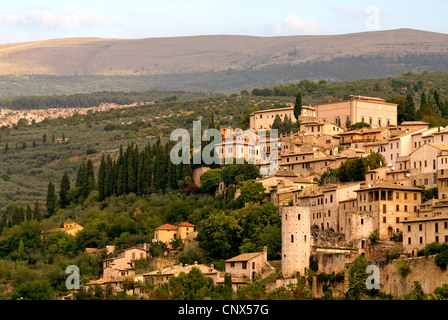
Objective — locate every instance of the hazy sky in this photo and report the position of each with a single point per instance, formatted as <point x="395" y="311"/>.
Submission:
<point x="26" y="20"/>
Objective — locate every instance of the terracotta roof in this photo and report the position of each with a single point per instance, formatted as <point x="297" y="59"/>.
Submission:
<point x="409" y="123"/>
<point x="388" y="185"/>
<point x="166" y="227"/>
<point x="244" y="257"/>
<point x="274" y="110"/>
<point x="441" y="146"/>
<point x="285" y="173"/>
<point x="186" y="224"/>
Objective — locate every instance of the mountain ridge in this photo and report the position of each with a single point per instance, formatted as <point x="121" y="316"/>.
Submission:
<point x="205" y="53"/>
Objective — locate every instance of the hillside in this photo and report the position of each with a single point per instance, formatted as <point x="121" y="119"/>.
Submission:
<point x="214" y="63"/>
<point x="29" y="163"/>
<point x="95" y="56"/>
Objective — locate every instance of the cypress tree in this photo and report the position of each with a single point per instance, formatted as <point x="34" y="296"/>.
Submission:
<point x="64" y="188"/>
<point x="51" y="199"/>
<point x="18" y="215"/>
<point x="423" y="101"/>
<point x="90" y="175"/>
<point x="277" y="124"/>
<point x="29" y="213"/>
<point x="298" y="106"/>
<point x="409" y="108"/>
<point x="36" y="211"/>
<point x="102" y="179"/>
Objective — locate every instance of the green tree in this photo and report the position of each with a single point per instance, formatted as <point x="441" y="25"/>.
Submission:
<point x="210" y="180"/>
<point x="29" y="213"/>
<point x="64" y="188"/>
<point x="409" y="111"/>
<point x="34" y="290"/>
<point x="277" y="124"/>
<point x="219" y="235"/>
<point x="51" y="199"/>
<point x="357" y="277"/>
<point x="252" y="191"/>
<point x="234" y="173"/>
<point x="193" y="285"/>
<point x="298" y="106"/>
<point x="36" y="211"/>
<point x="417" y="293"/>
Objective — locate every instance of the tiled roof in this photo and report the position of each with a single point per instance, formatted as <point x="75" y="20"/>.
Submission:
<point x="244" y="257"/>
<point x="166" y="227"/>
<point x="441" y="146"/>
<point x="185" y="224"/>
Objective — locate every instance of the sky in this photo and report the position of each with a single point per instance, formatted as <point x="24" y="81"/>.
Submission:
<point x="29" y="20"/>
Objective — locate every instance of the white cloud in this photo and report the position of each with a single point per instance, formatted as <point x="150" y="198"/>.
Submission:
<point x="340" y="9"/>
<point x="294" y="25"/>
<point x="73" y="18"/>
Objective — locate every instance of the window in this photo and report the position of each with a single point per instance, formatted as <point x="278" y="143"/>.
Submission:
<point x="397" y="195"/>
<point x="420" y="228"/>
<point x="298" y="216"/>
<point x="415" y="196"/>
<point x="292" y="238"/>
<point x="244" y="265"/>
<point x="362" y="221"/>
<point x="405" y="208"/>
<point x="384" y="219"/>
<point x="409" y="240"/>
<point x="397" y="207"/>
<point x="232" y="264"/>
<point x="384" y="208"/>
<point x="409" y="228"/>
<point x="405" y="196"/>
<point x="421" y="239"/>
<point x="253" y="265"/>
<point x="437" y="228"/>
<point x="437" y="238"/>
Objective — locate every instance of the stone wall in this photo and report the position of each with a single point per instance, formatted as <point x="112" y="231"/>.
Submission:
<point x="197" y="174"/>
<point x="422" y="269"/>
<point x="378" y="251"/>
<point x="158" y="263"/>
<point x="329" y="263"/>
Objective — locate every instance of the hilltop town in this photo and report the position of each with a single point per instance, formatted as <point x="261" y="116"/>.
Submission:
<point x="389" y="216"/>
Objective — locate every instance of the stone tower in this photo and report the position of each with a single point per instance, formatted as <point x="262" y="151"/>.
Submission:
<point x="296" y="239"/>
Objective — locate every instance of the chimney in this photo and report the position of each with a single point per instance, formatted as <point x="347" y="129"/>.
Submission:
<point x="265" y="253"/>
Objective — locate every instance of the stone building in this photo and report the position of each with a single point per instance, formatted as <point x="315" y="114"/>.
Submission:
<point x="374" y="111"/>
<point x="250" y="265"/>
<point x="384" y="205"/>
<point x="265" y="118"/>
<point x="296" y="242"/>
<point x="319" y="128"/>
<point x="418" y="232"/>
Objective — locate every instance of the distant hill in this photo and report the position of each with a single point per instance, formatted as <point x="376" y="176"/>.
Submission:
<point x="215" y="63"/>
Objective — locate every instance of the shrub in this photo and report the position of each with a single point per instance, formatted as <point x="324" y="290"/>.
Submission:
<point x="374" y="237"/>
<point x="441" y="260"/>
<point x="403" y="269"/>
